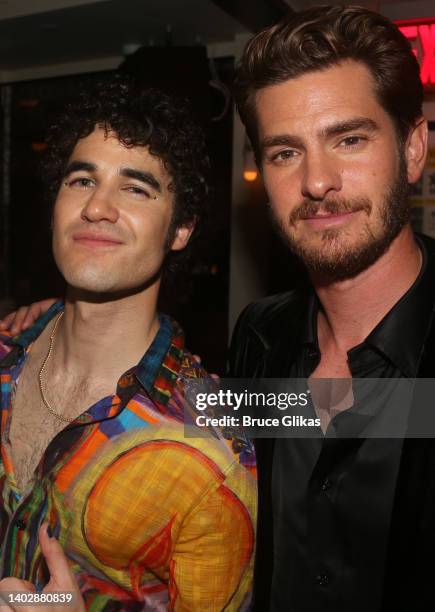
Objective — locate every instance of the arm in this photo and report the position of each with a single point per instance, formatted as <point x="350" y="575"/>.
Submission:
<point x="211" y="567"/>
<point x="210" y="555"/>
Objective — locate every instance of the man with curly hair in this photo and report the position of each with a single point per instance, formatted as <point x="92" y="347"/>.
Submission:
<point x="102" y="493"/>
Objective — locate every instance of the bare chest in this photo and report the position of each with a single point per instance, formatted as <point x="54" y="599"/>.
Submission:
<point x="33" y="426"/>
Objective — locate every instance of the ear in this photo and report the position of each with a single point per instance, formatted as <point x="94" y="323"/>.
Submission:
<point x="182" y="236"/>
<point x="416" y="150"/>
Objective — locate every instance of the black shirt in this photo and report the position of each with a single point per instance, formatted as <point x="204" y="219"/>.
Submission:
<point x="332" y="498"/>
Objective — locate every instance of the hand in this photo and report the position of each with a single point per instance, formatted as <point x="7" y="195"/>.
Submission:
<point x="61" y="579"/>
<point x="21" y="319"/>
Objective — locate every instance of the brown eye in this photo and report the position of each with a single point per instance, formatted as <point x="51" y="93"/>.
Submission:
<point x="80" y="183"/>
<point x="137" y="191"/>
<point x="352" y="141"/>
<point x="283" y="156"/>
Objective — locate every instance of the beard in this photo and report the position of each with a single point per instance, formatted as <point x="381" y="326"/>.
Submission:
<point x="336" y="259"/>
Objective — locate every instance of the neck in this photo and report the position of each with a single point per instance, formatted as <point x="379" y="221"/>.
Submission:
<point x="352" y="308"/>
<point x="102" y="338"/>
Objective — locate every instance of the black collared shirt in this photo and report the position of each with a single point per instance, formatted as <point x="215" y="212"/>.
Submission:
<point x="332" y="498"/>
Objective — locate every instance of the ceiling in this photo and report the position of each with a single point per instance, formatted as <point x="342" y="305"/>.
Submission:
<point x="394" y="9"/>
<point x="37" y="34"/>
<point x="78" y="30"/>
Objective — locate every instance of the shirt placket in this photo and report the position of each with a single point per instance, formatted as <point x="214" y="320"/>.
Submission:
<point x="11" y="550"/>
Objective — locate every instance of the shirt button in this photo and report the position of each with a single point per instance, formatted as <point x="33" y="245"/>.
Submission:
<point x="322" y="580"/>
<point x="326" y="484"/>
<point x="19" y="524"/>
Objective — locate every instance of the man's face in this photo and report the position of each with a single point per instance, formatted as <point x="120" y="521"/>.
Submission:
<point x="333" y="169"/>
<point x="112" y="216"/>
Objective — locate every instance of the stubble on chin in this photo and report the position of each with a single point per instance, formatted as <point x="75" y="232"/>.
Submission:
<point x="333" y="253"/>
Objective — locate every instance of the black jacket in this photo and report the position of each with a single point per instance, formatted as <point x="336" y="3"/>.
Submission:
<point x="264" y="344"/>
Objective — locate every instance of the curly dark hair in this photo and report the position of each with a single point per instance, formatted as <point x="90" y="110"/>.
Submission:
<point x="140" y="117"/>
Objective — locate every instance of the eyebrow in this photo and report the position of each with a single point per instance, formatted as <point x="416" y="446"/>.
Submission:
<point x="139" y="175"/>
<point x="341" y="127"/>
<point x="78" y="165"/>
<point x="286" y="140"/>
<point x="142" y="176"/>
<point x="350" y="125"/>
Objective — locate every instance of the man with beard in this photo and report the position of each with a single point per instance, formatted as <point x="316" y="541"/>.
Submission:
<point x="332" y="101"/>
<point x="102" y="494"/>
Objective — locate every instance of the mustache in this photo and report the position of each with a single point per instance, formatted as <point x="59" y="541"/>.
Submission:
<point x="309" y="208"/>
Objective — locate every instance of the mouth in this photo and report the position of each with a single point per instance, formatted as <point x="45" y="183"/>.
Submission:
<point x="96" y="240"/>
<point x="324" y="220"/>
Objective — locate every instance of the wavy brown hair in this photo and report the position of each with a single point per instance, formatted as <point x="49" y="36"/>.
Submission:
<point x="324" y="36"/>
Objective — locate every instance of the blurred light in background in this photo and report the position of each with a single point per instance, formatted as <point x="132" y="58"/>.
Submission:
<point x="250" y="170"/>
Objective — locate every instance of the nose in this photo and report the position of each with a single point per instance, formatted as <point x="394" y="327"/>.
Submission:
<point x="100" y="206"/>
<point x="320" y="176"/>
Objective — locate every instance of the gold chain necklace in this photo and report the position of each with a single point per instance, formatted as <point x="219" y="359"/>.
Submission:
<point x="41" y="372"/>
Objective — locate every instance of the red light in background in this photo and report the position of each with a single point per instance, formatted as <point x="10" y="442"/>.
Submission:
<point x="427" y="36"/>
<point x="421" y="34"/>
<point x="411" y="33"/>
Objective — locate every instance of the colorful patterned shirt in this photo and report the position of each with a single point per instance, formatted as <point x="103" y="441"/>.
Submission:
<point x="148" y="518"/>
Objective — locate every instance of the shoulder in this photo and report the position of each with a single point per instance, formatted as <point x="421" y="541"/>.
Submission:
<point x="271" y="308"/>
<point x="266" y="318"/>
<point x="233" y="448"/>
<point x="268" y="327"/>
<point x="191" y="367"/>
